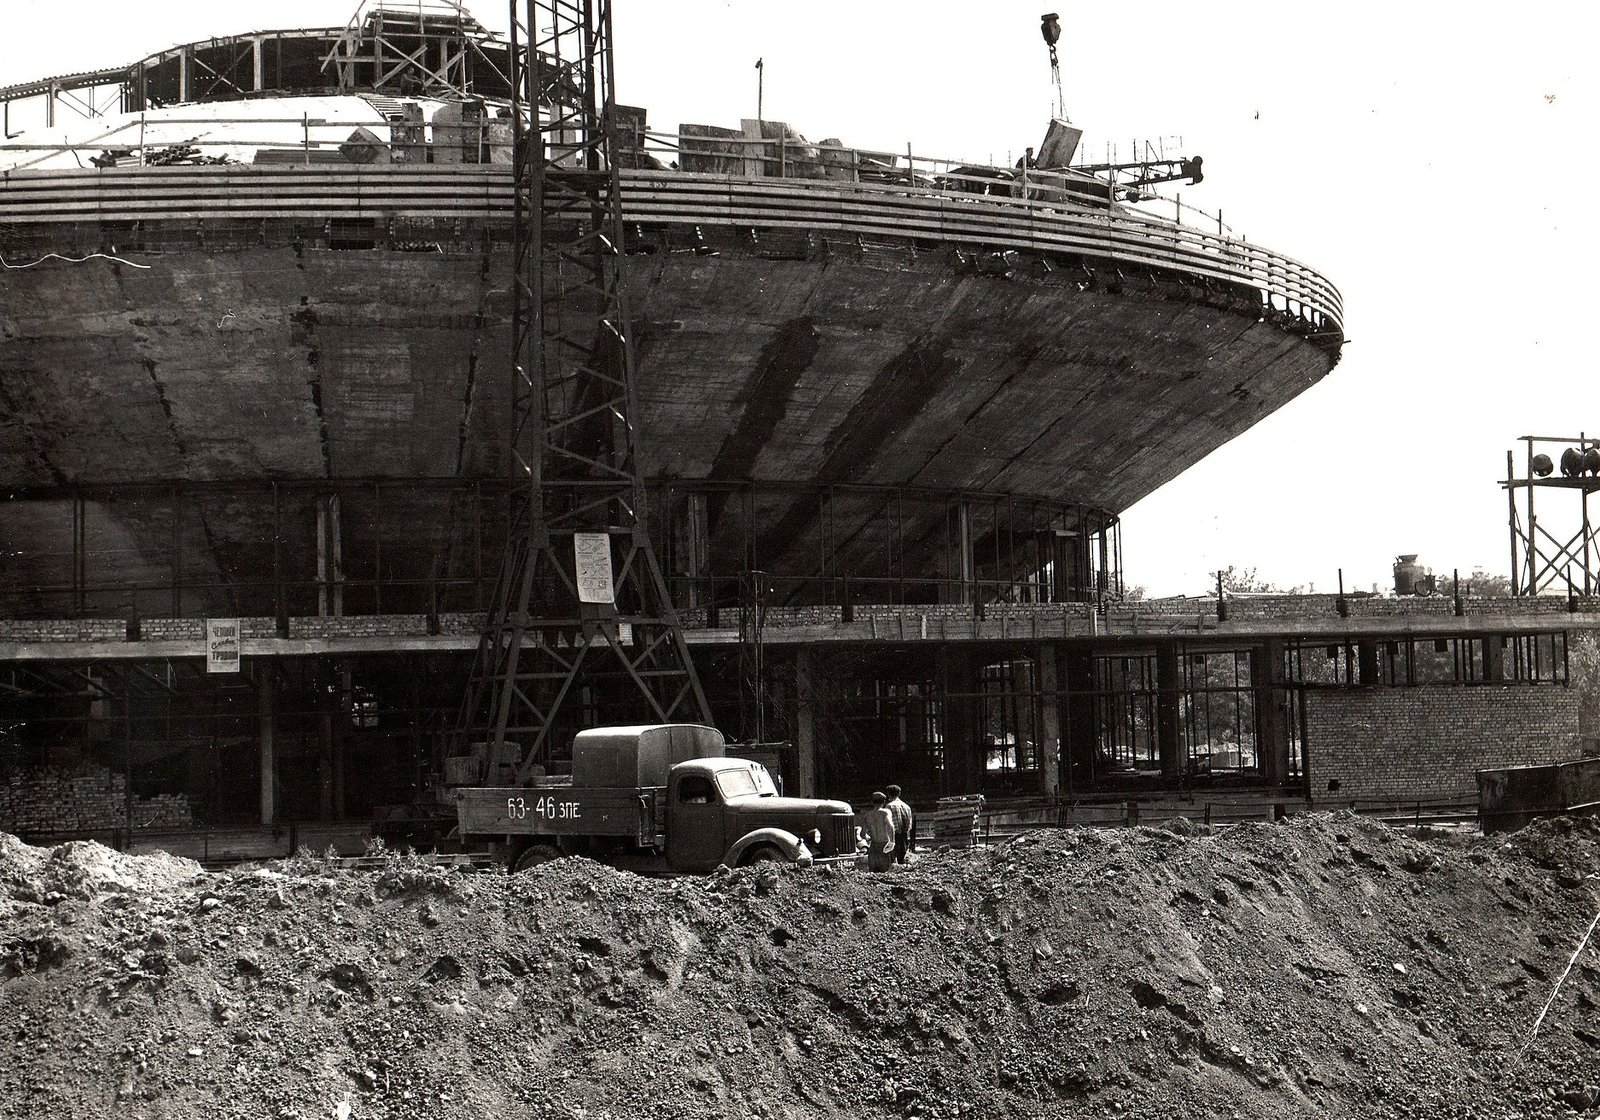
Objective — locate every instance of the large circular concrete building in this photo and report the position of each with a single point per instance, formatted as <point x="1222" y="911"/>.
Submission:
<point x="254" y="359"/>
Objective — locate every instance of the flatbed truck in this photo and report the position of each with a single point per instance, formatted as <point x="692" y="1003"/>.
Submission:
<point x="661" y="797"/>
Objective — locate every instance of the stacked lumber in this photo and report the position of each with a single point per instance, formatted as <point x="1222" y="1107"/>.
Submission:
<point x="953" y="823"/>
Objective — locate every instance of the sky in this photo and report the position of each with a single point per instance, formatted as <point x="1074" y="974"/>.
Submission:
<point x="1429" y="159"/>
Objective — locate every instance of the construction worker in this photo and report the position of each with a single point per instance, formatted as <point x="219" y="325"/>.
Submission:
<point x="905" y="822"/>
<point x="878" y="824"/>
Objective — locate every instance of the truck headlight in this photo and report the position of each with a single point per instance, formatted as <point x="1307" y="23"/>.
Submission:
<point x="816" y="836"/>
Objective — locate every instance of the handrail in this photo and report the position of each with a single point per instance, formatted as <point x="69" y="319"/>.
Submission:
<point x="774" y="157"/>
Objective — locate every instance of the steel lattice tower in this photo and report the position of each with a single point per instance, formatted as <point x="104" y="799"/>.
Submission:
<point x="580" y="599"/>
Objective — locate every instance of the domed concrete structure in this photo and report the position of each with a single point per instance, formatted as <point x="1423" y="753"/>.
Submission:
<point x="254" y="356"/>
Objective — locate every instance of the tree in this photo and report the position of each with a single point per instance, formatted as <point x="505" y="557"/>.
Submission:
<point x="1482" y="584"/>
<point x="1247" y="581"/>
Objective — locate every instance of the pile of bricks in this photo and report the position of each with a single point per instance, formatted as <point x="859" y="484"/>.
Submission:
<point x="88" y="799"/>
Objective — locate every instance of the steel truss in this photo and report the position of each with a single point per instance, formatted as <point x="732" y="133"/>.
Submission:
<point x="399" y="49"/>
<point x="558" y="619"/>
<point x="427" y="48"/>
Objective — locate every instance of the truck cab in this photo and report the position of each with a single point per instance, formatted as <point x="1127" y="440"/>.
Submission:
<point x="728" y="810"/>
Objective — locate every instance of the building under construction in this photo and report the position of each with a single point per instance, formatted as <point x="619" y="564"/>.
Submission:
<point x="257" y="363"/>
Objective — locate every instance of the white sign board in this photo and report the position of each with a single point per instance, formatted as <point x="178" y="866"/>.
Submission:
<point x="592" y="552"/>
<point x="222" y="645"/>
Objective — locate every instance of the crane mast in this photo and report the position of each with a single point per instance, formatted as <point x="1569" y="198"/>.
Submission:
<point x="581" y="605"/>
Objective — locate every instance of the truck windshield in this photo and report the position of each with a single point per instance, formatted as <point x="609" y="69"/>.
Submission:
<point x="752" y="782"/>
<point x="763" y="780"/>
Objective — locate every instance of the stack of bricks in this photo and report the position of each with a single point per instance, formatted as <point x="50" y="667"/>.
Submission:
<point x="90" y="799"/>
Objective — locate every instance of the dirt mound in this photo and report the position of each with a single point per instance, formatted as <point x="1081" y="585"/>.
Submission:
<point x="1325" y="965"/>
<point x="83" y="870"/>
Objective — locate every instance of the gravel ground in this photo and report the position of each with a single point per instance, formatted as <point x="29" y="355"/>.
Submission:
<point x="1325" y="965"/>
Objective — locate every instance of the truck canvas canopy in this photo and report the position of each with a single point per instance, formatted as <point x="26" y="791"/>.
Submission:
<point x="640" y="756"/>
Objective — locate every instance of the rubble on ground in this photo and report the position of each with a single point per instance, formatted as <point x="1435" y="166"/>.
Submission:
<point x="1326" y="965"/>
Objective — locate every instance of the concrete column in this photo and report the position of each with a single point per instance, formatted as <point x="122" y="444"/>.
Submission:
<point x="1049" y="678"/>
<point x="1082" y="736"/>
<point x="805" y="726"/>
<point x="697" y="548"/>
<point x="1494" y="658"/>
<point x="963" y="753"/>
<point x="338" y="746"/>
<point x="1272" y="710"/>
<point x="1169" y="691"/>
<point x="332" y="732"/>
<point x="1367" y="661"/>
<point x="336" y="554"/>
<point x="330" y="558"/>
<point x="325" y="782"/>
<point x="266" y="707"/>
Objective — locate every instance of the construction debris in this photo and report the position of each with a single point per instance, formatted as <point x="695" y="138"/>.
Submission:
<point x="1326" y="965"/>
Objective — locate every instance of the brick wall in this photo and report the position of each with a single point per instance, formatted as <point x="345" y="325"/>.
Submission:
<point x="359" y="626"/>
<point x="1243" y="608"/>
<point x="1248" y="616"/>
<point x="463" y="622"/>
<point x="172" y="629"/>
<point x="1400" y="744"/>
<point x="63" y="630"/>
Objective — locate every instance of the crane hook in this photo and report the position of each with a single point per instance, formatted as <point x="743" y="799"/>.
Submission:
<point x="1050" y="28"/>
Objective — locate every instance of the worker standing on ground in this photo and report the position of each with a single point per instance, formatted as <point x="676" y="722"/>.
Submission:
<point x="879" y="827"/>
<point x="905" y="823"/>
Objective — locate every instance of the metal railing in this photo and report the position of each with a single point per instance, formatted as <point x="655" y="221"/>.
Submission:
<point x="753" y="182"/>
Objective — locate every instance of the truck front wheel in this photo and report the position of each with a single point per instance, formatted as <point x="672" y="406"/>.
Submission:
<point x="764" y="853"/>
<point x="533" y="855"/>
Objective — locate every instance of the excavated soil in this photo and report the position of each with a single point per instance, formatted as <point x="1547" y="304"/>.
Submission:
<point x="1324" y="966"/>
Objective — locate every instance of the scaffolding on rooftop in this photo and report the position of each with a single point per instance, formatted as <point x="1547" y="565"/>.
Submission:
<point x="404" y="48"/>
